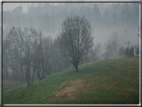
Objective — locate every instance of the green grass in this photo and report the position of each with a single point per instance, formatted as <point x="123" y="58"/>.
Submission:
<point x="114" y="81"/>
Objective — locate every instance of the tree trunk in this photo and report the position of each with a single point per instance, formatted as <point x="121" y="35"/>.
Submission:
<point x="33" y="75"/>
<point x="76" y="68"/>
<point x="22" y="72"/>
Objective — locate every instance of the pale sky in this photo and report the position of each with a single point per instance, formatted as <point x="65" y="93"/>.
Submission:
<point x="11" y="6"/>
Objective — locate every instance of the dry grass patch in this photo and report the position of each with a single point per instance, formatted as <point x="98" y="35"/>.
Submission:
<point x="62" y="85"/>
<point x="129" y="90"/>
<point x="95" y="83"/>
<point x="68" y="93"/>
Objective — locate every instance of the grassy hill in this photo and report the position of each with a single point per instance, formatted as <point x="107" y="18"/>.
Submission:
<point x="113" y="81"/>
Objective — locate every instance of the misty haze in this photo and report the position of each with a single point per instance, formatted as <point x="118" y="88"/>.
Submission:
<point x="71" y="53"/>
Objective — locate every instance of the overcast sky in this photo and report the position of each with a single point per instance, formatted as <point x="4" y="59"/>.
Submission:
<point x="11" y="6"/>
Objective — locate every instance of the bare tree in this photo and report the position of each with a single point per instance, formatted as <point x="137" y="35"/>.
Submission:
<point x="93" y="55"/>
<point x="6" y="58"/>
<point x="131" y="52"/>
<point x="58" y="60"/>
<point x="121" y="52"/>
<point x="12" y="53"/>
<point x="112" y="47"/>
<point x="76" y="39"/>
<point x="137" y="49"/>
<point x="98" y="51"/>
<point x="26" y="40"/>
<point x="20" y="52"/>
<point x="27" y="51"/>
<point x="42" y="56"/>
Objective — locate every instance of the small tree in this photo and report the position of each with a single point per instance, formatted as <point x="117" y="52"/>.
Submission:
<point x="112" y="46"/>
<point x="41" y="56"/>
<point x="58" y="60"/>
<point x="137" y="50"/>
<point x="98" y="49"/>
<point x="12" y="53"/>
<point x="131" y="52"/>
<point x="127" y="52"/>
<point x="121" y="52"/>
<point x="76" y="39"/>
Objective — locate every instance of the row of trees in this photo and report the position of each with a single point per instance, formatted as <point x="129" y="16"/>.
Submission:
<point x="121" y="52"/>
<point x="111" y="50"/>
<point x="28" y="54"/>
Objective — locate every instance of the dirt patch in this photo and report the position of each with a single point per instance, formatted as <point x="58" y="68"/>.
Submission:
<point x="104" y="84"/>
<point x="130" y="89"/>
<point x="68" y="93"/>
<point x="62" y="85"/>
<point x="88" y="75"/>
<point x="115" y="73"/>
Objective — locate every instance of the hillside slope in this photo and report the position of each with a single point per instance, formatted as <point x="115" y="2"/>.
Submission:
<point x="109" y="81"/>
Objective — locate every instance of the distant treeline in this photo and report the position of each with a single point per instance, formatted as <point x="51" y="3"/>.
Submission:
<point x="28" y="54"/>
<point x="49" y="17"/>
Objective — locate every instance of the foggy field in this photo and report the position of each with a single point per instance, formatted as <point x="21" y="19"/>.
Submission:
<point x="113" y="81"/>
<point x="9" y="83"/>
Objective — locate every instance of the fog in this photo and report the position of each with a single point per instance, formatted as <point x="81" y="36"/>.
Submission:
<point x="109" y="22"/>
<point x="107" y="18"/>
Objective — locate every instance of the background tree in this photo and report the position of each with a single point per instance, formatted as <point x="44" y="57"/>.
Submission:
<point x="59" y="63"/>
<point x="96" y="13"/>
<point x="42" y="56"/>
<point x="98" y="50"/>
<point x="12" y="54"/>
<point x="137" y="49"/>
<point x="6" y="59"/>
<point x="21" y="52"/>
<point x="127" y="52"/>
<point x="26" y="40"/>
<point x="131" y="52"/>
<point x="94" y="54"/>
<point x="76" y="39"/>
<point x="112" y="47"/>
<point x="121" y="52"/>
